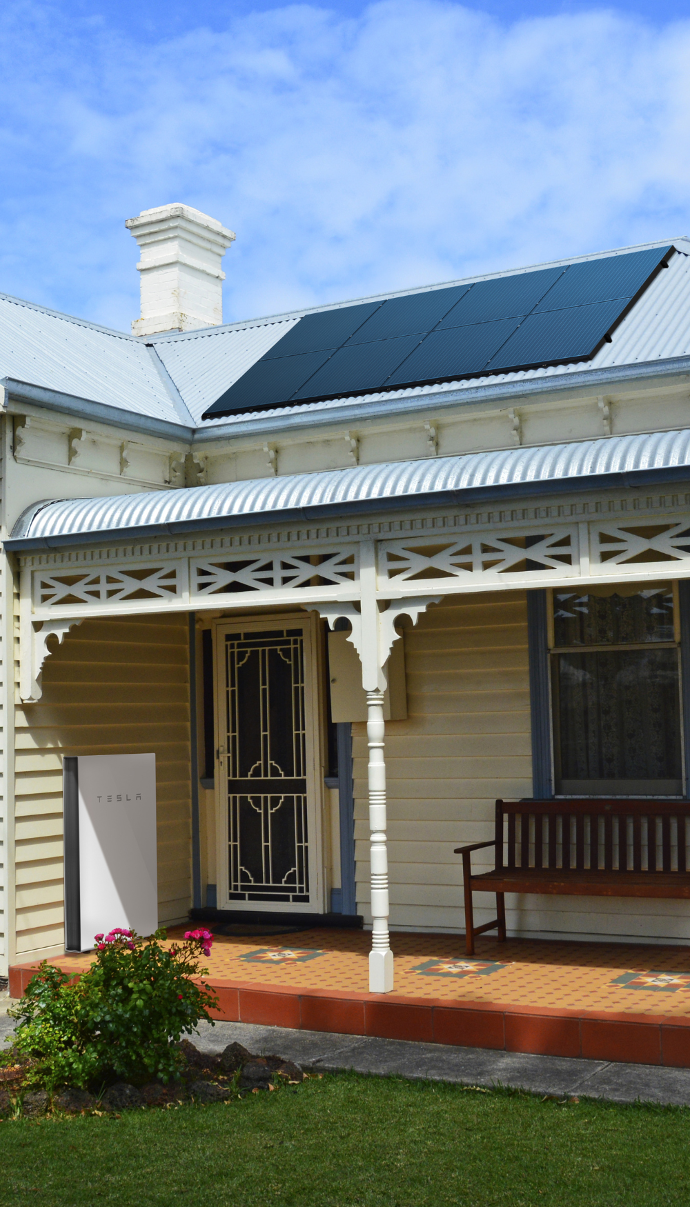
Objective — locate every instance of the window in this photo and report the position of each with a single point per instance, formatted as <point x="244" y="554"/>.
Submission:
<point x="616" y="692"/>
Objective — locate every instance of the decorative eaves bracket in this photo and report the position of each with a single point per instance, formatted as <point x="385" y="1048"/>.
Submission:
<point x="33" y="651"/>
<point x="373" y="631"/>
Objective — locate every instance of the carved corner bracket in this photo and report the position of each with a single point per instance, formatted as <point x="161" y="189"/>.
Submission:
<point x="33" y="651"/>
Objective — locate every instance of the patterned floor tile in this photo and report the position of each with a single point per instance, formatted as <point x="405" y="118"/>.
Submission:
<point x="529" y="973"/>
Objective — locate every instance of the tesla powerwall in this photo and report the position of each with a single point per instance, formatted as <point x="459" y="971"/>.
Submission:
<point x="110" y="846"/>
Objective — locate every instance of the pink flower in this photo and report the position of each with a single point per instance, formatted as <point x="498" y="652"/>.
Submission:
<point x="201" y="935"/>
<point x="100" y="947"/>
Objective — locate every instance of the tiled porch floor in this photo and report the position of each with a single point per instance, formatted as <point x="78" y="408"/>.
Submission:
<point x="609" y="1001"/>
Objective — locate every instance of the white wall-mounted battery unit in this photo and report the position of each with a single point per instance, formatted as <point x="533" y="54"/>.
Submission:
<point x="110" y="846"/>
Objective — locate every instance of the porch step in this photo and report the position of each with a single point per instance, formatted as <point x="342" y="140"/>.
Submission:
<point x="248" y="917"/>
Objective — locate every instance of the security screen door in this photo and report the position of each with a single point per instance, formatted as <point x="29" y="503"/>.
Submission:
<point x="265" y="761"/>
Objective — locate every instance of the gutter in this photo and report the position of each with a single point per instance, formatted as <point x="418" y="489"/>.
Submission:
<point x="332" y="512"/>
<point x="83" y="408"/>
<point x="503" y="393"/>
<point x="506" y="393"/>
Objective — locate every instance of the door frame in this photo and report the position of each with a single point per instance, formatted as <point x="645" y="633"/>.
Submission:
<point x="314" y="735"/>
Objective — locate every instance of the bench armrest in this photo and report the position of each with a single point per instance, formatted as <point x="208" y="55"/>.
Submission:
<point x="475" y="846"/>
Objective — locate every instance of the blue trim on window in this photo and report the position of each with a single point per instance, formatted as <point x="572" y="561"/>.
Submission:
<point x="684" y="617"/>
<point x="539" y="695"/>
<point x="348" y="904"/>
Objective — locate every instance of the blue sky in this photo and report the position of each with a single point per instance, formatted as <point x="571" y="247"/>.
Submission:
<point x="353" y="147"/>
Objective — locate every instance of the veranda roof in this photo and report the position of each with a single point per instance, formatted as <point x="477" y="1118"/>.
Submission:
<point x="615" y="461"/>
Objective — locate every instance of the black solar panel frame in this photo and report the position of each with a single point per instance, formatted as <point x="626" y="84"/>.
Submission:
<point x="322" y="330"/>
<point x="257" y="379"/>
<point x="456" y="346"/>
<point x="501" y="298"/>
<point x="659" y="260"/>
<point x="618" y="279"/>
<point x="412" y="314"/>
<point x="357" y="362"/>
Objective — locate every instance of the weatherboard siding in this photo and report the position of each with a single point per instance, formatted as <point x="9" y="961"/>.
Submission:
<point x="112" y="687"/>
<point x="466" y="741"/>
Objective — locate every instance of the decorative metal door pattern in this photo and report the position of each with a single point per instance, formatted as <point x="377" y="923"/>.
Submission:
<point x="266" y="766"/>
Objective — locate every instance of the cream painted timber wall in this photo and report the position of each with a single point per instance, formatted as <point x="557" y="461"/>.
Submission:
<point x="466" y="741"/>
<point x="112" y="687"/>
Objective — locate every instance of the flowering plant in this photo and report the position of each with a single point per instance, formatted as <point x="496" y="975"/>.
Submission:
<point x="203" y="936"/>
<point x="123" y="1017"/>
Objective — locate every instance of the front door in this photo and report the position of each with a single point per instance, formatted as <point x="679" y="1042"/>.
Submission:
<point x="266" y="746"/>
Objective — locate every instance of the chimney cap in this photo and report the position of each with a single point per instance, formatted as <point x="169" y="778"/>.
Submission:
<point x="176" y="209"/>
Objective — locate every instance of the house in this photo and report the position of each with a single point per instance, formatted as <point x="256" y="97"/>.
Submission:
<point x="460" y="514"/>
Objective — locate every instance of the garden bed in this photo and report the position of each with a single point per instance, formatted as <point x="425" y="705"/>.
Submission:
<point x="204" y="1078"/>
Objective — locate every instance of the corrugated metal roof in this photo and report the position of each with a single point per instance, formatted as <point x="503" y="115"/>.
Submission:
<point x="204" y="364"/>
<point x="57" y="352"/>
<point x="657" y="328"/>
<point x="336" y="491"/>
<point x="47" y="349"/>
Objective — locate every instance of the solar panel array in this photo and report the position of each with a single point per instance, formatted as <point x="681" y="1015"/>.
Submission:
<point x="531" y="319"/>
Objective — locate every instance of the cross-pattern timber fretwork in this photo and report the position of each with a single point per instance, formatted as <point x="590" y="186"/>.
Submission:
<point x="428" y="559"/>
<point x="231" y="575"/>
<point x="106" y="586"/>
<point x="483" y="555"/>
<point x="638" y="544"/>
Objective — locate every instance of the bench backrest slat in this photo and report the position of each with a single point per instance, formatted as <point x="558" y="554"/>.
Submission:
<point x="605" y="835"/>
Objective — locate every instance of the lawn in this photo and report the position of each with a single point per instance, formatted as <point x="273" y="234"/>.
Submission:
<point x="350" y="1141"/>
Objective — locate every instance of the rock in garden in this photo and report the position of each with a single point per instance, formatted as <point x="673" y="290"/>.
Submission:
<point x="233" y="1057"/>
<point x="72" y="1101"/>
<point x="155" y="1094"/>
<point x="5" y="1102"/>
<point x="208" y="1091"/>
<point x="121" y="1096"/>
<point x="35" y="1103"/>
<point x="256" y="1075"/>
<point x="284" y="1068"/>
<point x="193" y="1057"/>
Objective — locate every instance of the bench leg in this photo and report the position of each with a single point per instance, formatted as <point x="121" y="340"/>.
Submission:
<point x="469" y="912"/>
<point x="501" y="915"/>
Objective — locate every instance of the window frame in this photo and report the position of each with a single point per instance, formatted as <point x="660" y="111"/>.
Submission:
<point x="680" y="642"/>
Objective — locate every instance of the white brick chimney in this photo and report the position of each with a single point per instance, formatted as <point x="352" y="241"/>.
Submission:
<point x="181" y="278"/>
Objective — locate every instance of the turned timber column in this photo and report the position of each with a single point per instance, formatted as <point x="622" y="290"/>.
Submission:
<point x="380" y="956"/>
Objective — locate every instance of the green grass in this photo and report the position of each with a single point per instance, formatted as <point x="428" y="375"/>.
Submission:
<point x="351" y="1141"/>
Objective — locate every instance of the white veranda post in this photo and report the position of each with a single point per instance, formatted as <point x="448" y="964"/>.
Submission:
<point x="373" y="633"/>
<point x="380" y="956"/>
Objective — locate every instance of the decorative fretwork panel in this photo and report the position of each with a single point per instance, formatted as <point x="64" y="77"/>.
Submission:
<point x="107" y="586"/>
<point x="482" y="556"/>
<point x="638" y="544"/>
<point x="232" y="575"/>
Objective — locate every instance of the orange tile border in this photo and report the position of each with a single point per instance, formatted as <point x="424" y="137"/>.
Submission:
<point x="555" y="998"/>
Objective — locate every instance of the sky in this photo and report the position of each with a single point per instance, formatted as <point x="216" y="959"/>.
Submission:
<point x="353" y="147"/>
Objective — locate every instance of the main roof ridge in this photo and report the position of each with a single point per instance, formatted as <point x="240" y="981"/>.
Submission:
<point x="681" y="242"/>
<point x="299" y="312"/>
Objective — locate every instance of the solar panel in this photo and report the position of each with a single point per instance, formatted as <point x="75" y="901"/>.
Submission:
<point x="502" y="298"/>
<point x="558" y="335"/>
<point x="417" y="312"/>
<point x="455" y="353"/>
<point x="328" y="329"/>
<point x="548" y="316"/>
<point x="269" y="383"/>
<point x="358" y="368"/>
<point x="602" y="280"/>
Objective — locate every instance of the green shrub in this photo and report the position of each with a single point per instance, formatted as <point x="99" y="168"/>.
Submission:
<point x="121" y="1019"/>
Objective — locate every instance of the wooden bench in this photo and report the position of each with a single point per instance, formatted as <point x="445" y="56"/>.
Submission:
<point x="612" y="847"/>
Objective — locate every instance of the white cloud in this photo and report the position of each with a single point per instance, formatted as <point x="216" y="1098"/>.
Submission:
<point x="417" y="142"/>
